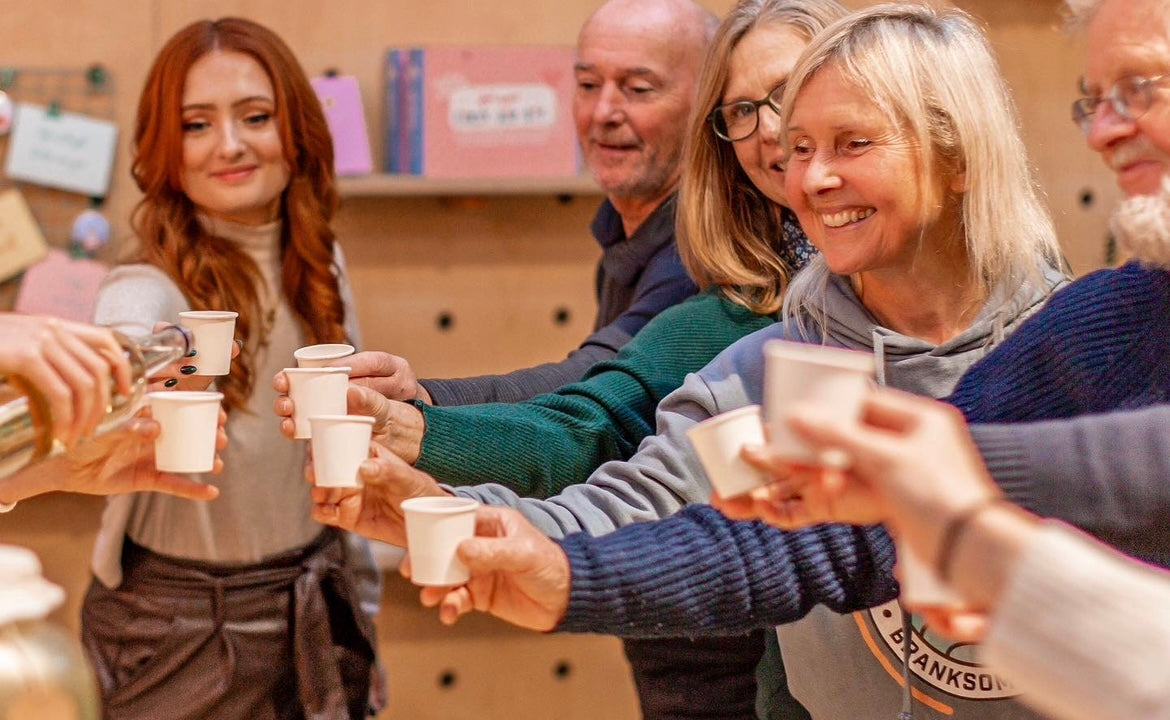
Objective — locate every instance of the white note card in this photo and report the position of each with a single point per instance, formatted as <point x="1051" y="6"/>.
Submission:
<point x="64" y="150"/>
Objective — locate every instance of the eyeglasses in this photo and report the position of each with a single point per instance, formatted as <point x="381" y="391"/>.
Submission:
<point x="1130" y="97"/>
<point x="738" y="120"/>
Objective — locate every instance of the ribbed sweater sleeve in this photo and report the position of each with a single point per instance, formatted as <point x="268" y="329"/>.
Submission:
<point x="1098" y="345"/>
<point x="523" y="384"/>
<point x="1082" y="632"/>
<point x="699" y="573"/>
<point x="1105" y="473"/>
<point x="539" y="447"/>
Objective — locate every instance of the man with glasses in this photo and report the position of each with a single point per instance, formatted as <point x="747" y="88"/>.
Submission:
<point x="1126" y="112"/>
<point x="1101" y="343"/>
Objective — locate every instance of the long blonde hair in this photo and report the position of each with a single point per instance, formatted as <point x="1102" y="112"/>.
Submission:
<point x="933" y="73"/>
<point x="730" y="234"/>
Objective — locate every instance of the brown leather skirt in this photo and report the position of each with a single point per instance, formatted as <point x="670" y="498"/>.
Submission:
<point x="285" y="639"/>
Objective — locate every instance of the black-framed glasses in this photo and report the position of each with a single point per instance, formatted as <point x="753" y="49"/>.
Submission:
<point x="1130" y="97"/>
<point x="738" y="120"/>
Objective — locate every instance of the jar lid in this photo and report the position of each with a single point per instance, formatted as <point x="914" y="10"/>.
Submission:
<point x="24" y="592"/>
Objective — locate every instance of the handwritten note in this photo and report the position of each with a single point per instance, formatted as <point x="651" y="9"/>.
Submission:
<point x="63" y="150"/>
<point x="21" y="240"/>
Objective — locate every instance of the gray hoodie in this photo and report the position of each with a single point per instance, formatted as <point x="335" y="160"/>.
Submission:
<point x="664" y="475"/>
<point x="839" y="667"/>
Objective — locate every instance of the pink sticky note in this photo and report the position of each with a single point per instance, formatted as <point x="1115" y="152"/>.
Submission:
<point x="61" y="286"/>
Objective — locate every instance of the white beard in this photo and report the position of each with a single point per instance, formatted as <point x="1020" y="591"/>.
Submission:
<point x="1142" y="227"/>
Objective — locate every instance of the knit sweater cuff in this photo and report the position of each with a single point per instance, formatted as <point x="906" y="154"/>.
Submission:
<point x="443" y="451"/>
<point x="1074" y="609"/>
<point x="1007" y="460"/>
<point x="595" y="590"/>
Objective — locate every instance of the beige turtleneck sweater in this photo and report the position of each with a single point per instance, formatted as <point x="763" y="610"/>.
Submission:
<point x="263" y="506"/>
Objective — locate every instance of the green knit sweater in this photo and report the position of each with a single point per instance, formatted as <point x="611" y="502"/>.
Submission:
<point x="540" y="446"/>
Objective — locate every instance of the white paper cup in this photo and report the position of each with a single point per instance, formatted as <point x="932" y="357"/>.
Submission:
<point x="321" y="355"/>
<point x="340" y="444"/>
<point x="189" y="423"/>
<point x="834" y="379"/>
<point x="214" y="332"/>
<point x="434" y="528"/>
<point x="718" y="441"/>
<point x="921" y="586"/>
<point x="316" y="391"/>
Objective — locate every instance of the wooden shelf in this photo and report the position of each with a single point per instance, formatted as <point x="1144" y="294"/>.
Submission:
<point x="414" y="186"/>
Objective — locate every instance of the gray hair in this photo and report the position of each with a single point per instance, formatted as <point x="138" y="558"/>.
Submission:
<point x="933" y="74"/>
<point x="1141" y="225"/>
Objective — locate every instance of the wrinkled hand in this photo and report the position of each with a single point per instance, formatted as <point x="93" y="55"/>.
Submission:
<point x="70" y="364"/>
<point x="375" y="509"/>
<point x="122" y="461"/>
<point x="398" y="426"/>
<point x="517" y="574"/>
<point x="913" y="456"/>
<point x="389" y="375"/>
<point x="801" y="495"/>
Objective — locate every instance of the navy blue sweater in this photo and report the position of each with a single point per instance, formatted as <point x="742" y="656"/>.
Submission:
<point x="1099" y="344"/>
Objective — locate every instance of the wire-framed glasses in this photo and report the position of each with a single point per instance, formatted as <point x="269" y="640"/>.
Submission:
<point x="1130" y="97"/>
<point x="738" y="120"/>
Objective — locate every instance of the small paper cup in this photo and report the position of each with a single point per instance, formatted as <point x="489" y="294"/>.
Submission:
<point x="189" y="423"/>
<point x="214" y="332"/>
<point x="835" y="379"/>
<point x="718" y="441"/>
<point x="316" y="391"/>
<point x="321" y="355"/>
<point x="340" y="444"/>
<point x="921" y="586"/>
<point x="434" y="528"/>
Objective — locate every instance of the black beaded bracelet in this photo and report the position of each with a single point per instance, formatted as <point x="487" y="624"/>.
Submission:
<point x="953" y="531"/>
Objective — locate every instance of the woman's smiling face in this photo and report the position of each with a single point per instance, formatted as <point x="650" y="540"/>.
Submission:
<point x="233" y="163"/>
<point x="855" y="180"/>
<point x="759" y="63"/>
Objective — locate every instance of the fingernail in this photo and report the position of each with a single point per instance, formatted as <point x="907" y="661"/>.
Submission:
<point x="171" y="382"/>
<point x="188" y="369"/>
<point x="192" y="353"/>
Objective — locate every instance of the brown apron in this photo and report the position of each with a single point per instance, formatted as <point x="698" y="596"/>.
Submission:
<point x="284" y="639"/>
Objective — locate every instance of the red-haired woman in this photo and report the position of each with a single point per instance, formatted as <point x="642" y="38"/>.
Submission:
<point x="242" y="607"/>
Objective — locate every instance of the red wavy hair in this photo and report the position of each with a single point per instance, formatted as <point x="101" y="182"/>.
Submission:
<point x="211" y="271"/>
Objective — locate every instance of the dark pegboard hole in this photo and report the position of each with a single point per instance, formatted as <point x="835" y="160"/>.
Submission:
<point x="1087" y="198"/>
<point x="562" y="670"/>
<point x="445" y="321"/>
<point x="447" y="679"/>
<point x="562" y="316"/>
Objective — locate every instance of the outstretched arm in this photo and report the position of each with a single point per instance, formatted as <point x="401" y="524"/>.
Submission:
<point x="700" y="573"/>
<point x="1104" y="473"/>
<point x="695" y="573"/>
<point x="662" y="283"/>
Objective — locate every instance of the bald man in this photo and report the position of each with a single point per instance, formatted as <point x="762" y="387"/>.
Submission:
<point x="636" y="69"/>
